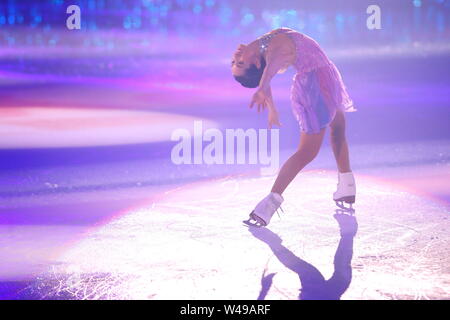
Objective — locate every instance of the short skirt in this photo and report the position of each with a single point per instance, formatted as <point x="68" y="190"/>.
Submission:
<point x="317" y="95"/>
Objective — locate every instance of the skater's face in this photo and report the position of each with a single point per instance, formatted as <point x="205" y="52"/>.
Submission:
<point x="242" y="59"/>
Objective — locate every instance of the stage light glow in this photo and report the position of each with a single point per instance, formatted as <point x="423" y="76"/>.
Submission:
<point x="94" y="206"/>
<point x="41" y="127"/>
<point x="190" y="244"/>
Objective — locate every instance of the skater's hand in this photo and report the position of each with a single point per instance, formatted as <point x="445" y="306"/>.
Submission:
<point x="273" y="118"/>
<point x="261" y="98"/>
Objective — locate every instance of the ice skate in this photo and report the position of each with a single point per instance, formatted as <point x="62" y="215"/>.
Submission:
<point x="261" y="215"/>
<point x="346" y="191"/>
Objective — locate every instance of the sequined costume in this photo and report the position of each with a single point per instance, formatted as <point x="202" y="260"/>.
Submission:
<point x="317" y="91"/>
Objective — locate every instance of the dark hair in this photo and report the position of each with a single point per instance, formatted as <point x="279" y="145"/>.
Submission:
<point x="252" y="75"/>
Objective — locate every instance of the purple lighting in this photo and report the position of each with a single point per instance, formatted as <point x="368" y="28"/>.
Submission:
<point x="94" y="206"/>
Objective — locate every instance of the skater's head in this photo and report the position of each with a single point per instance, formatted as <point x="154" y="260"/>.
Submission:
<point x="247" y="66"/>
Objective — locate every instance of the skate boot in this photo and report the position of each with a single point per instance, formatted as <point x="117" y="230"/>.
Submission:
<point x="260" y="217"/>
<point x="346" y="191"/>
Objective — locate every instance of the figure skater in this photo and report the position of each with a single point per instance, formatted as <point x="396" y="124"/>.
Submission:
<point x="319" y="99"/>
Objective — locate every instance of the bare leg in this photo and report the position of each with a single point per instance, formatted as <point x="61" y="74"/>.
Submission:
<point x="339" y="142"/>
<point x="308" y="149"/>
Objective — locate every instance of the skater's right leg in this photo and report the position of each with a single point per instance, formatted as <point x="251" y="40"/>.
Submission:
<point x="308" y="149"/>
<point x="306" y="152"/>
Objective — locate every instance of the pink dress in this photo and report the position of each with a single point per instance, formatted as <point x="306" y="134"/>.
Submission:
<point x="318" y="90"/>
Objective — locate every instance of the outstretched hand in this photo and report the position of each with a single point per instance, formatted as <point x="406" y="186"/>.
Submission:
<point x="261" y="99"/>
<point x="273" y="118"/>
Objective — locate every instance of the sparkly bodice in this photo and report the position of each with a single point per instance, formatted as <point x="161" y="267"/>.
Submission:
<point x="309" y="54"/>
<point x="264" y="40"/>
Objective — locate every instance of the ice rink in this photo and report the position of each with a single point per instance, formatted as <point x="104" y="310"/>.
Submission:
<point x="93" y="207"/>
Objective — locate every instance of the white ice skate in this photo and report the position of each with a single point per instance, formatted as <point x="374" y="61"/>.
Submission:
<point x="346" y="191"/>
<point x="260" y="217"/>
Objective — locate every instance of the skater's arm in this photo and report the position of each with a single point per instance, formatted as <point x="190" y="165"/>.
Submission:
<point x="270" y="103"/>
<point x="263" y="99"/>
<point x="276" y="60"/>
<point x="273" y="113"/>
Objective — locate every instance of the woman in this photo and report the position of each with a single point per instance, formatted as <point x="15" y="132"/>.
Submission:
<point x="319" y="99"/>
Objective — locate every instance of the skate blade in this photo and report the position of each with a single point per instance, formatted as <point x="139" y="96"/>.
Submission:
<point x="254" y="221"/>
<point x="341" y="205"/>
<point x="349" y="199"/>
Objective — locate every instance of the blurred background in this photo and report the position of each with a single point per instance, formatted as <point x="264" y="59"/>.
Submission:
<point x="86" y="115"/>
<point x="161" y="64"/>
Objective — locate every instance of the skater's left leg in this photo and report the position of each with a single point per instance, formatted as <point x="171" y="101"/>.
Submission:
<point x="308" y="149"/>
<point x="339" y="142"/>
<point x="346" y="189"/>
